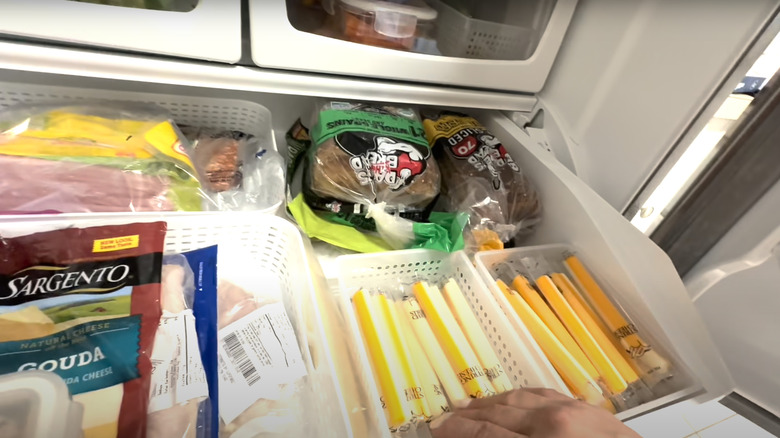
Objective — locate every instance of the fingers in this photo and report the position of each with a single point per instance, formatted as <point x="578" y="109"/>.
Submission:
<point x="508" y="417"/>
<point x="536" y="398"/>
<point x="455" y="426"/>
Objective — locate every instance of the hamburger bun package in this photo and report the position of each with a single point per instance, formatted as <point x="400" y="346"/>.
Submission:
<point x="479" y="177"/>
<point x="81" y="305"/>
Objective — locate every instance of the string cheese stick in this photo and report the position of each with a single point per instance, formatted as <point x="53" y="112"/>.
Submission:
<point x="477" y="339"/>
<point x="614" y="381"/>
<point x="412" y="387"/>
<point x="571" y="372"/>
<point x="654" y="368"/>
<point x="386" y="368"/>
<point x="434" y="394"/>
<point x="600" y="323"/>
<point x="459" y="354"/>
<point x="552" y="322"/>
<point x="433" y="351"/>
<point x="567" y="289"/>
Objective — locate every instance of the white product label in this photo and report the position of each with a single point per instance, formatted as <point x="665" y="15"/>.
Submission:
<point x="177" y="371"/>
<point x="257" y="354"/>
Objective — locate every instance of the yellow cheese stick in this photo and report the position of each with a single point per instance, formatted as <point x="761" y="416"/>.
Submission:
<point x="476" y="337"/>
<point x="433" y="351"/>
<point x="461" y="357"/>
<point x="380" y="352"/>
<point x="434" y="394"/>
<point x="622" y="365"/>
<point x="571" y="371"/>
<point x="604" y="329"/>
<point x="552" y="322"/>
<point x="614" y="381"/>
<point x="653" y="367"/>
<point x="412" y="386"/>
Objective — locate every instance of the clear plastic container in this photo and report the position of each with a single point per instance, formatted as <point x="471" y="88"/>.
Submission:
<point x="390" y="24"/>
<point x="37" y="404"/>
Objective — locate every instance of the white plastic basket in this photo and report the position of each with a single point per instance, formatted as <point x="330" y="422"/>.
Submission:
<point x="209" y="112"/>
<point x="276" y="247"/>
<point x="523" y="365"/>
<point x="488" y="264"/>
<point x="206" y="112"/>
<point x="461" y="36"/>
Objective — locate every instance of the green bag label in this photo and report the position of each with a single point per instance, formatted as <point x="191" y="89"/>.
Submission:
<point x="88" y="357"/>
<point x="334" y="122"/>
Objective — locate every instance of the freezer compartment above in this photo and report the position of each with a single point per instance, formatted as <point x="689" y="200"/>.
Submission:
<point x="200" y="29"/>
<point x="496" y="44"/>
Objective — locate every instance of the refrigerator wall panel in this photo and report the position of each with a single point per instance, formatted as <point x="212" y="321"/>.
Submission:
<point x="631" y="75"/>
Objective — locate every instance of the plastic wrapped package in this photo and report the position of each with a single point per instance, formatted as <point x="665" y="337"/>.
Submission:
<point x="180" y="387"/>
<point x="89" y="299"/>
<point x="481" y="178"/>
<point x="263" y="382"/>
<point x="95" y="157"/>
<point x="370" y="167"/>
<point x="365" y="154"/>
<point x="236" y="170"/>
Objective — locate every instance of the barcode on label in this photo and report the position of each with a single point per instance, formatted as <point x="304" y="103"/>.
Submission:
<point x="240" y="359"/>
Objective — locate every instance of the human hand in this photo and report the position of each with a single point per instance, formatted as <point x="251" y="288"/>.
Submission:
<point x="530" y="413"/>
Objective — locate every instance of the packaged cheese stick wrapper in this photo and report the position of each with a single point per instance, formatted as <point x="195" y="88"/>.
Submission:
<point x="185" y="348"/>
<point x="263" y="388"/>
<point x="83" y="304"/>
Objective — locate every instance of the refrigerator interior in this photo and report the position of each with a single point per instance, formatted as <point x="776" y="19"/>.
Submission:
<point x="624" y="259"/>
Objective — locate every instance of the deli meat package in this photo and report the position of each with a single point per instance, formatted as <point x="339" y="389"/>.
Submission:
<point x="367" y="154"/>
<point x="79" y="310"/>
<point x="479" y="177"/>
<point x="100" y="157"/>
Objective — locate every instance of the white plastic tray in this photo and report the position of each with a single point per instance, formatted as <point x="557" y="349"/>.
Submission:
<point x="211" y="31"/>
<point x="522" y="361"/>
<point x="207" y="112"/>
<point x="276" y="247"/>
<point x="487" y="263"/>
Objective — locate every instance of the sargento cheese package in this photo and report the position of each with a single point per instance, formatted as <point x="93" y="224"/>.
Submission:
<point x="84" y="305"/>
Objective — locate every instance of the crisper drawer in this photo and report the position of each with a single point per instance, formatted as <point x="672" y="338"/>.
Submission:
<point x="201" y="29"/>
<point x="638" y="274"/>
<point x="495" y="44"/>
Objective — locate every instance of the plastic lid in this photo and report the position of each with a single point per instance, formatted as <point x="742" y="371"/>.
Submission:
<point x="416" y="8"/>
<point x="38" y="405"/>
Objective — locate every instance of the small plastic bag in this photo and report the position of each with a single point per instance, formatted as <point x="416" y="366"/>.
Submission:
<point x="479" y="177"/>
<point x="236" y="170"/>
<point x="95" y="157"/>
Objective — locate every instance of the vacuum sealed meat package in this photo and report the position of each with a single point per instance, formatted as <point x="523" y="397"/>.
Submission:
<point x="369" y="154"/>
<point x="481" y="178"/>
<point x="237" y="171"/>
<point x="95" y="157"/>
<point x="184" y="357"/>
<point x="263" y="388"/>
<point x="82" y="306"/>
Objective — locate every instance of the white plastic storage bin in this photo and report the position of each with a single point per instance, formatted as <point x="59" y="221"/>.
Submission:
<point x="206" y="112"/>
<point x="210" y="30"/>
<point x="276" y="248"/>
<point x="522" y="360"/>
<point x="546" y="259"/>
<point x="270" y="20"/>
